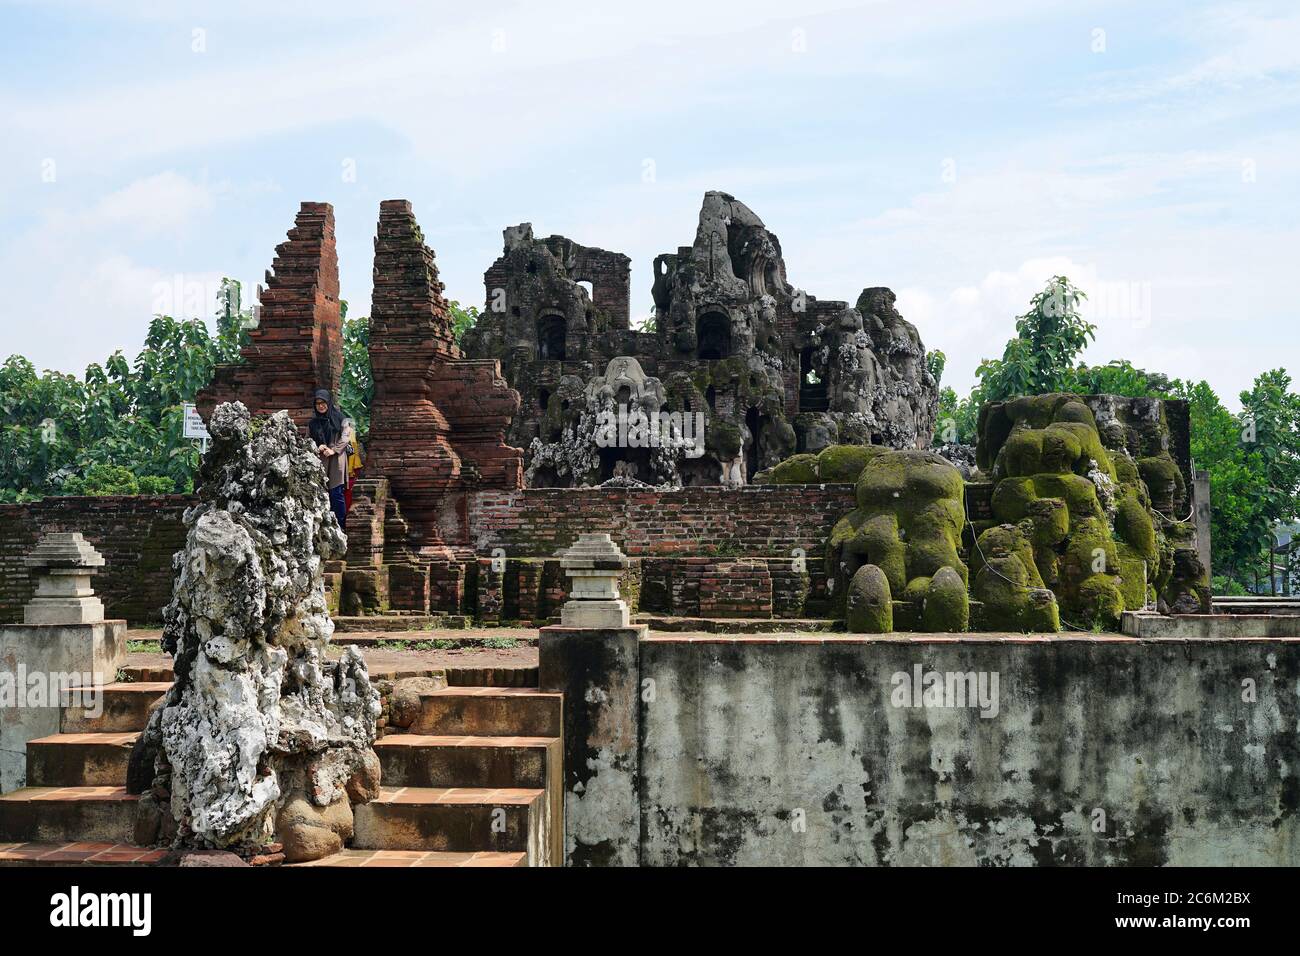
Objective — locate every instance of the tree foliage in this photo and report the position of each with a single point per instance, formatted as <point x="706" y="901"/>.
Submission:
<point x="120" y="426"/>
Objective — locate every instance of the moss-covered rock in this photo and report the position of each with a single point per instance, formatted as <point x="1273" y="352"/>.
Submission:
<point x="908" y="524"/>
<point x="795" y="470"/>
<point x="844" y="463"/>
<point x="869" y="607"/>
<point x="1007" y="583"/>
<point x="947" y="605"/>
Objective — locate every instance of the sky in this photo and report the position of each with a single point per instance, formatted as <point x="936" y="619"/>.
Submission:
<point x="960" y="153"/>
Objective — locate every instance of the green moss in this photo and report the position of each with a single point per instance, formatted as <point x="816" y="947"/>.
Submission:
<point x="1132" y="581"/>
<point x="1100" y="600"/>
<point x="795" y="470"/>
<point x="844" y="463"/>
<point x="1051" y="518"/>
<point x="869" y="608"/>
<point x="947" y="605"/>
<point x="1133" y="526"/>
<point x="1008" y="585"/>
<point x="916" y="589"/>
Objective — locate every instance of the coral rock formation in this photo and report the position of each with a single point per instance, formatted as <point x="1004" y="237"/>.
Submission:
<point x="261" y="736"/>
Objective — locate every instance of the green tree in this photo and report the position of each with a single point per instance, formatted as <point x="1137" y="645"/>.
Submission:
<point x="64" y="435"/>
<point x="357" y="388"/>
<point x="1253" y="460"/>
<point x="1049" y="337"/>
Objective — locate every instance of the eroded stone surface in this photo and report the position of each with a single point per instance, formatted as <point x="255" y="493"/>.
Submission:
<point x="258" y="716"/>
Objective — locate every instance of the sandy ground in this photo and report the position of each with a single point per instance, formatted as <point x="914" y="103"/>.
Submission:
<point x="381" y="660"/>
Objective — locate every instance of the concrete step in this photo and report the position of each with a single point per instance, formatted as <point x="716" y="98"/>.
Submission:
<point x="418" y="858"/>
<point x="78" y="854"/>
<point x="124" y="707"/>
<point x="457" y="820"/>
<point x="79" y="760"/>
<point x="489" y="712"/>
<point x="419" y="760"/>
<point x="67" y="815"/>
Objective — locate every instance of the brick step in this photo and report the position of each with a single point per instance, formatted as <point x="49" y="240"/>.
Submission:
<point x="419" y="760"/>
<point x="417" y="858"/>
<point x="67" y="815"/>
<point x="400" y="622"/>
<point x="148" y="673"/>
<point x="489" y="712"/>
<point x="492" y="676"/>
<point x="79" y="760"/>
<point x="459" y="820"/>
<point x="78" y="854"/>
<point x="125" y="707"/>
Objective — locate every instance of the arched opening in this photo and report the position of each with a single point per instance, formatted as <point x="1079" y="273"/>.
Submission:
<point x="550" y="337"/>
<point x="711" y="396"/>
<point x="813" y="396"/>
<point x="543" y="399"/>
<point x="713" y="336"/>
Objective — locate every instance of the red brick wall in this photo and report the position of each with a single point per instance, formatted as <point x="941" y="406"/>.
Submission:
<point x="136" y="535"/>
<point x="753" y="521"/>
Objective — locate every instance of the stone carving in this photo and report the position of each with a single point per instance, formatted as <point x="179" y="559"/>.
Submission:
<point x="262" y="736"/>
<point x="773" y="370"/>
<point x="63" y="563"/>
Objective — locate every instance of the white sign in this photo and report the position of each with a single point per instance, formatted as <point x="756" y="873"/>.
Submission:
<point x="194" y="426"/>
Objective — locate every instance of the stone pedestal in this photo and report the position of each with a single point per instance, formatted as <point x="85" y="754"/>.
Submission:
<point x="594" y="564"/>
<point x="65" y="644"/>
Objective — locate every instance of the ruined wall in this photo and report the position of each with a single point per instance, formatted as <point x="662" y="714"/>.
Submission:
<point x="137" y="536"/>
<point x="297" y="346"/>
<point x="437" y="421"/>
<point x="763" y="751"/>
<point x="758" y="520"/>
<point x="771" y="369"/>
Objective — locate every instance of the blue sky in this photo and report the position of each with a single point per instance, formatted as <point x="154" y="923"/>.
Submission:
<point x="959" y="153"/>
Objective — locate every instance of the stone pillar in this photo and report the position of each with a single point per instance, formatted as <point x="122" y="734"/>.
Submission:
<point x="64" y="643"/>
<point x="1201" y="516"/>
<point x="593" y="658"/>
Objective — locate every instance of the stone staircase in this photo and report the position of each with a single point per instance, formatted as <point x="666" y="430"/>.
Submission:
<point x="475" y="782"/>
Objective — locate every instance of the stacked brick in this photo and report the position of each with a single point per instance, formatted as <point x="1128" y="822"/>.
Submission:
<point x="437" y="422"/>
<point x="297" y="346"/>
<point x="136" y="535"/>
<point x="740" y="588"/>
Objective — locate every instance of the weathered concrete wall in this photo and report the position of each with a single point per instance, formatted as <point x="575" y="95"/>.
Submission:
<point x="596" y="670"/>
<point x="1101" y="751"/>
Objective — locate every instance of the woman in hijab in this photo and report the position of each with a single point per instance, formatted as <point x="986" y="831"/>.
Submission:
<point x="326" y="430"/>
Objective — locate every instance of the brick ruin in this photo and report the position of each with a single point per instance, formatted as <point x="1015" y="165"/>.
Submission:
<point x="453" y="516"/>
<point x="771" y="370"/>
<point x="297" y="346"/>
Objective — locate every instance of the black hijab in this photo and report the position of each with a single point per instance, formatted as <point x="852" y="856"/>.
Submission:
<point x="326" y="429"/>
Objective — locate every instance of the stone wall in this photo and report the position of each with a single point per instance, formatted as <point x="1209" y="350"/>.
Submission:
<point x="1115" y="751"/>
<point x="136" y="535"/>
<point x="1073" y="750"/>
<point x="753" y="521"/>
